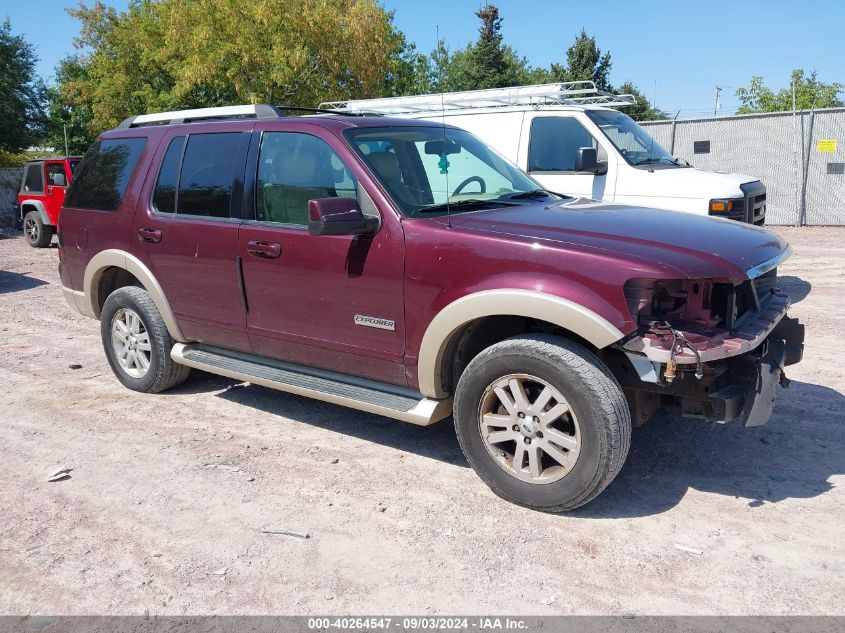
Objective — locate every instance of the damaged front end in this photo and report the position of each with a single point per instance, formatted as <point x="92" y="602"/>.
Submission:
<point x="708" y="348"/>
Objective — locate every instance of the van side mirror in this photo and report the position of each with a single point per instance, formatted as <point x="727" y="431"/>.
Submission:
<point x="339" y="216"/>
<point x="587" y="162"/>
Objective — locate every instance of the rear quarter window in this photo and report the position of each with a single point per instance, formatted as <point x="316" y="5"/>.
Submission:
<point x="101" y="178"/>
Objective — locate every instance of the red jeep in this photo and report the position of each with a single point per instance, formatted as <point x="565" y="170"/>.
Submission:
<point x="405" y="269"/>
<point x="41" y="196"/>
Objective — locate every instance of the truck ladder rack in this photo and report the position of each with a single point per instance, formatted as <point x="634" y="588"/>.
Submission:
<point x="568" y="93"/>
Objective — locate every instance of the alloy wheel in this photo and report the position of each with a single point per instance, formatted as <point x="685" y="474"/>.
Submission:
<point x="131" y="343"/>
<point x="529" y="428"/>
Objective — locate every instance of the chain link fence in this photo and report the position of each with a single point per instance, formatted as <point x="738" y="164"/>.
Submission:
<point x="800" y="158"/>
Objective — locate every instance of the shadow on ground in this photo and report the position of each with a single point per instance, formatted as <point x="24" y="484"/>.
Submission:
<point x="795" y="287"/>
<point x="793" y="456"/>
<point x="15" y="282"/>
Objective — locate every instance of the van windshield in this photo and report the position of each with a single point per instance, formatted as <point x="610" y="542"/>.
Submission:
<point x="427" y="169"/>
<point x="637" y="147"/>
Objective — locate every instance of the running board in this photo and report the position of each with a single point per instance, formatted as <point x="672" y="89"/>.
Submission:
<point x="357" y="393"/>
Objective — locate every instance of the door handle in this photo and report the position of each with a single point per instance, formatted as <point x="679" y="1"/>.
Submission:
<point x="267" y="250"/>
<point x="152" y="236"/>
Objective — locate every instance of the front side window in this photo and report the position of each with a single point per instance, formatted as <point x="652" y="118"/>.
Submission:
<point x="434" y="170"/>
<point x="103" y="175"/>
<point x="637" y="147"/>
<point x="294" y="168"/>
<point x="208" y="174"/>
<point x="33" y="181"/>
<point x="56" y="175"/>
<point x="554" y="144"/>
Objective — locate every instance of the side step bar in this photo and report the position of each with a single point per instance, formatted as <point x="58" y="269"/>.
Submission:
<point x="357" y="393"/>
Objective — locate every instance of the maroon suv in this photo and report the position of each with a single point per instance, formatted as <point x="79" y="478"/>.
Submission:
<point x="406" y="269"/>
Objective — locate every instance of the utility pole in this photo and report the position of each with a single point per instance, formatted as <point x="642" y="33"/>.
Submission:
<point x="64" y="127"/>
<point x="716" y="104"/>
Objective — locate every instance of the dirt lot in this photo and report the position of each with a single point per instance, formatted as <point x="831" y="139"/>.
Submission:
<point x="169" y="493"/>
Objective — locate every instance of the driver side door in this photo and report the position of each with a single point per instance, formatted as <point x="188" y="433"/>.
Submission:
<point x="551" y="151"/>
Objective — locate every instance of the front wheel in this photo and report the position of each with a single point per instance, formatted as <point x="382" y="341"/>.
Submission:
<point x="542" y="421"/>
<point x="37" y="234"/>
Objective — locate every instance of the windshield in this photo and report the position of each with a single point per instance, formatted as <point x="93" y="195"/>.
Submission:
<point x="426" y="169"/>
<point x="632" y="141"/>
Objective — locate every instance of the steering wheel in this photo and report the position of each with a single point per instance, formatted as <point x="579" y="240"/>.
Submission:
<point x="477" y="179"/>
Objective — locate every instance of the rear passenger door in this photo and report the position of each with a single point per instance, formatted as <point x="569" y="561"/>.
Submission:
<point x="304" y="292"/>
<point x="187" y="230"/>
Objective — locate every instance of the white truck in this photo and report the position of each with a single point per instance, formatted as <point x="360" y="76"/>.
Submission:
<point x="569" y="137"/>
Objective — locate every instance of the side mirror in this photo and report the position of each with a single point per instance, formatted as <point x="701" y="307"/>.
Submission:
<point x="59" y="180"/>
<point x="587" y="162"/>
<point x="339" y="216"/>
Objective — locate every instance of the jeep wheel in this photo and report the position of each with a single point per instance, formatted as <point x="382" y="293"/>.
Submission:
<point x="37" y="234"/>
<point x="137" y="342"/>
<point x="542" y="421"/>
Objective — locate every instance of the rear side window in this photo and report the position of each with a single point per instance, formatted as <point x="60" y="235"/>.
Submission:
<point x="555" y="142"/>
<point x="102" y="176"/>
<point x="164" y="196"/>
<point x="207" y="175"/>
<point x="33" y="181"/>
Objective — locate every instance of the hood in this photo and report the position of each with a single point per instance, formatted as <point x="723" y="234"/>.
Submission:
<point x="681" y="244"/>
<point x="690" y="182"/>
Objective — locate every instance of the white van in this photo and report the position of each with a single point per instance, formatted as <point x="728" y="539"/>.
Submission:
<point x="572" y="141"/>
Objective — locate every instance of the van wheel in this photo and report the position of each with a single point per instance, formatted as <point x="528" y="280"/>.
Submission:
<point x="37" y="234"/>
<point x="137" y="342"/>
<point x="542" y="421"/>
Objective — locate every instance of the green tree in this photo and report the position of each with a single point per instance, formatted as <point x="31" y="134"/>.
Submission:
<point x="643" y="110"/>
<point x="63" y="115"/>
<point x="584" y="62"/>
<point x="809" y="93"/>
<point x="168" y="54"/>
<point x="21" y="93"/>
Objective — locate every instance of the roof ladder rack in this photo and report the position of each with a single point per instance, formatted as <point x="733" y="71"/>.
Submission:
<point x="568" y="93"/>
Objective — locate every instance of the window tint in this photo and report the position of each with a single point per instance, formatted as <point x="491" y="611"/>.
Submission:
<point x="56" y="174"/>
<point x="104" y="173"/>
<point x="555" y="142"/>
<point x="294" y="168"/>
<point x="208" y="171"/>
<point x="164" y="196"/>
<point x="33" y="181"/>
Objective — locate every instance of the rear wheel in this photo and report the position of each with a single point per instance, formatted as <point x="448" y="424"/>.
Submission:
<point x="37" y="234"/>
<point x="542" y="421"/>
<point x="137" y="342"/>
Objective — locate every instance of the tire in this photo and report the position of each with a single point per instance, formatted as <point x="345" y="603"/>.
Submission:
<point x="586" y="412"/>
<point x="37" y="234"/>
<point x="150" y="339"/>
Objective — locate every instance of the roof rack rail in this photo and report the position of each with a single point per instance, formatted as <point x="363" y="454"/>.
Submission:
<point x="568" y="93"/>
<point x="198" y="115"/>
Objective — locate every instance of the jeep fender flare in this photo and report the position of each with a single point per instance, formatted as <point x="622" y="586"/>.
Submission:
<point x="114" y="258"/>
<point x="504" y="302"/>
<point x="39" y="206"/>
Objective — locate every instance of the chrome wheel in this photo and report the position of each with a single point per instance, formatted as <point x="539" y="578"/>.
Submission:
<point x="30" y="228"/>
<point x="131" y="343"/>
<point x="529" y="428"/>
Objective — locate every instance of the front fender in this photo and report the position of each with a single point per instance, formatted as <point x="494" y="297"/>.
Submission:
<point x="564" y="313"/>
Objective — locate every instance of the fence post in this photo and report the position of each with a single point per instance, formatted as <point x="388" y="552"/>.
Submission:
<point x="802" y="214"/>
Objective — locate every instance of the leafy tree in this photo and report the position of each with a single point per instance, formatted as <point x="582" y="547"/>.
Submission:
<point x="63" y="115"/>
<point x="809" y="93"/>
<point x="643" y="110"/>
<point x="21" y="93"/>
<point x="584" y="62"/>
<point x="169" y="54"/>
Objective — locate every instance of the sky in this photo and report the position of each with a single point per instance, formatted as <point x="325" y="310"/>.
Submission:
<point x="675" y="52"/>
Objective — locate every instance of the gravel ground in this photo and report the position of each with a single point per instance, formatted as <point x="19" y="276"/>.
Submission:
<point x="169" y="493"/>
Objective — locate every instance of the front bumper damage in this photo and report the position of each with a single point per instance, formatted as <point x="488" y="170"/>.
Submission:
<point x="725" y="377"/>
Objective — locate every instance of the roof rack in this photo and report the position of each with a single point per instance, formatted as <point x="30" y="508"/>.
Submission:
<point x="198" y="115"/>
<point x="569" y="93"/>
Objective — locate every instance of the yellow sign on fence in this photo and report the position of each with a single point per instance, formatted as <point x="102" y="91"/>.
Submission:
<point x="827" y="146"/>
